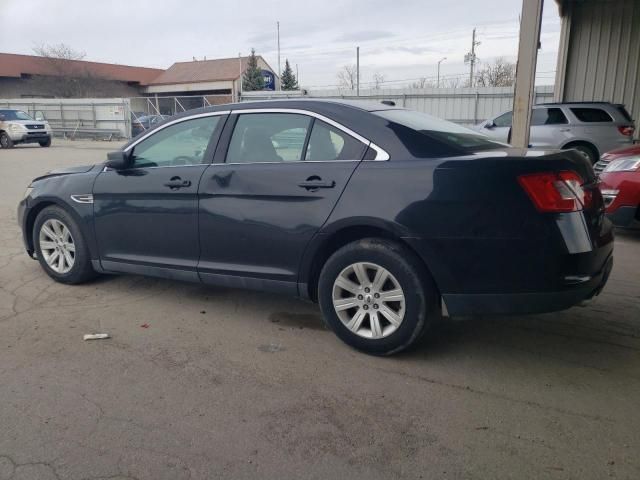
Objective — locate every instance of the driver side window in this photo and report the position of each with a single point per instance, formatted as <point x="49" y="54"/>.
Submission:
<point x="504" y="120"/>
<point x="180" y="144"/>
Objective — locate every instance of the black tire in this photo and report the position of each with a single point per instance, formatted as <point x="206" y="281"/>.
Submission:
<point x="81" y="270"/>
<point x="420" y="293"/>
<point x="46" y="143"/>
<point x="587" y="150"/>
<point x="5" y="140"/>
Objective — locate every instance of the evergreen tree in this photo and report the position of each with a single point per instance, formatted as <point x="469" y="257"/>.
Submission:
<point x="288" y="79"/>
<point x="252" y="78"/>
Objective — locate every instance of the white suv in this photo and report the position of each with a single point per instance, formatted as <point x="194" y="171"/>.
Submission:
<point x="592" y="128"/>
<point x="18" y="127"/>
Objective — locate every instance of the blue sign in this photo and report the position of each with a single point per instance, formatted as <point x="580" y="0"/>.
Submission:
<point x="269" y="80"/>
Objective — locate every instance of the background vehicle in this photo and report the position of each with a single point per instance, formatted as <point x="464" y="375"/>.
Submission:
<point x="145" y="122"/>
<point x="375" y="212"/>
<point x="620" y="185"/>
<point x="18" y="127"/>
<point x="589" y="127"/>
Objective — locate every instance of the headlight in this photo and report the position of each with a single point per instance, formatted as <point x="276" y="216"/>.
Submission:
<point x="16" y="127"/>
<point x="27" y="192"/>
<point x="628" y="164"/>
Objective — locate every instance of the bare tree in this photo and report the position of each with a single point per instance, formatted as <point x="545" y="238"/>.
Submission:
<point x="452" y="82"/>
<point x="378" y="80"/>
<point x="500" y="73"/>
<point x="347" y="77"/>
<point x="68" y="77"/>
<point x="423" y="82"/>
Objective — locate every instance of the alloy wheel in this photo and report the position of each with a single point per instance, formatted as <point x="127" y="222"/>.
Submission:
<point x="57" y="246"/>
<point x="368" y="300"/>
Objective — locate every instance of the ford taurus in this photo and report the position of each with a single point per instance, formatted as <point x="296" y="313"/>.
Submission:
<point x="382" y="215"/>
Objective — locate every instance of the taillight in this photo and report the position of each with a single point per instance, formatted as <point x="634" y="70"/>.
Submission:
<point x="626" y="130"/>
<point x="556" y="191"/>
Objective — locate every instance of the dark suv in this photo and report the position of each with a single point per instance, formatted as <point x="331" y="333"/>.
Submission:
<point x="380" y="214"/>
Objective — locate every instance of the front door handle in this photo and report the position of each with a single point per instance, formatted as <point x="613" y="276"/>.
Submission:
<point x="177" y="182"/>
<point x="315" y="184"/>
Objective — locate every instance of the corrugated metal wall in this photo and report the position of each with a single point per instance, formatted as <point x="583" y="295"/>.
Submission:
<point x="603" y="53"/>
<point x="466" y="106"/>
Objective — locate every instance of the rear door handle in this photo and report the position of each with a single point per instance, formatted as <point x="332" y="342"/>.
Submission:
<point x="177" y="182"/>
<point x="315" y="184"/>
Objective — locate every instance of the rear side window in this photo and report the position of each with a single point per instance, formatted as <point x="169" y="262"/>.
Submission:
<point x="268" y="137"/>
<point x="591" y="115"/>
<point x="548" y="116"/>
<point x="329" y="143"/>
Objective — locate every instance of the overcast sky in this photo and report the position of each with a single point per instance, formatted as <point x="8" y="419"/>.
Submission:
<point x="400" y="39"/>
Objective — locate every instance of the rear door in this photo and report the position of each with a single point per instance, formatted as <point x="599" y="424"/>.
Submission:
<point x="282" y="174"/>
<point x="549" y="128"/>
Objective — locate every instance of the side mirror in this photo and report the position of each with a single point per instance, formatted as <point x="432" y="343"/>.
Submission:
<point x="489" y="124"/>
<point x="39" y="116"/>
<point x="118" y="160"/>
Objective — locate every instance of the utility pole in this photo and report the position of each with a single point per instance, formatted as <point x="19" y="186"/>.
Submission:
<point x="471" y="58"/>
<point x="438" y="80"/>
<point x="297" y="76"/>
<point x="279" y="71"/>
<point x="240" y="75"/>
<point x="357" y="71"/>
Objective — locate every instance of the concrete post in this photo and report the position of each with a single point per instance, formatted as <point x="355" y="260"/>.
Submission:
<point x="526" y="71"/>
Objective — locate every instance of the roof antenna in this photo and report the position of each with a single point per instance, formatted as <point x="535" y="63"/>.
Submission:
<point x="388" y="102"/>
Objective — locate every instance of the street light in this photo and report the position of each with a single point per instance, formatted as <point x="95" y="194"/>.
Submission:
<point x="439" y="62"/>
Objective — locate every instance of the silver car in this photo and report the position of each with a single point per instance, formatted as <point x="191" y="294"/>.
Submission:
<point x="592" y="128"/>
<point x="17" y="127"/>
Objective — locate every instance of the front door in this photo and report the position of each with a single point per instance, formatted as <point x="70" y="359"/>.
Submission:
<point x="283" y="174"/>
<point x="146" y="216"/>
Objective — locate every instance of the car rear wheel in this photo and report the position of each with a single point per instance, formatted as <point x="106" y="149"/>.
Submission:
<point x="376" y="296"/>
<point x="5" y="140"/>
<point x="60" y="247"/>
<point x="45" y="143"/>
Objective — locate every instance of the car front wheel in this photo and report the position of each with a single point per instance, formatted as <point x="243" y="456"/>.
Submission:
<point x="377" y="297"/>
<point x="45" y="143"/>
<point x="5" y="140"/>
<point x="60" y="247"/>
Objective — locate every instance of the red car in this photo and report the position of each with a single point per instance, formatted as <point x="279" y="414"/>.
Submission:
<point x="619" y="172"/>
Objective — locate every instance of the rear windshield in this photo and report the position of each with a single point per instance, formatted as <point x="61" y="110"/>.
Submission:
<point x="15" y="115"/>
<point x="591" y="115"/>
<point x="451" y="135"/>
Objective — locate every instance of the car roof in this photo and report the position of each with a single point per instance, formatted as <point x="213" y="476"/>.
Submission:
<point x="576" y="103"/>
<point x="363" y="105"/>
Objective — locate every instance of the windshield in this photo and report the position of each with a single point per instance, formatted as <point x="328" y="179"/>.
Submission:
<point x="15" y="115"/>
<point x="441" y="130"/>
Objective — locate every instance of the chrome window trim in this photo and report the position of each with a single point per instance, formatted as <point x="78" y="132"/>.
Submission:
<point x="381" y="155"/>
<point x="177" y="120"/>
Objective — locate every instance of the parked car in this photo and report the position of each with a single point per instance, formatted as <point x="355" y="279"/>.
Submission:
<point x="377" y="213"/>
<point x="18" y="127"/>
<point x="620" y="185"/>
<point x="589" y="127"/>
<point x="145" y="122"/>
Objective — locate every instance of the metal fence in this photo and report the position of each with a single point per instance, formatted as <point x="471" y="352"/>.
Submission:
<point x="104" y="116"/>
<point x="113" y="117"/>
<point x="466" y="106"/>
